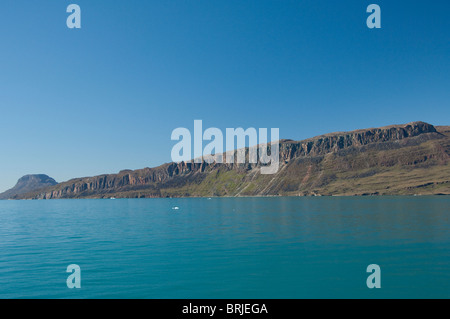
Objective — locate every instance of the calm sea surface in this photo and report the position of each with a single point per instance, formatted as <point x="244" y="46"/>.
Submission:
<point x="226" y="247"/>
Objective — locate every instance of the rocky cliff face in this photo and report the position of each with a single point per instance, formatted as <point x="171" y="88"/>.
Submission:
<point x="334" y="142"/>
<point x="28" y="183"/>
<point x="310" y="167"/>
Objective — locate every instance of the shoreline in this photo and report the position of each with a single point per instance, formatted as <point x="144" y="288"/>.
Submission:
<point x="232" y="197"/>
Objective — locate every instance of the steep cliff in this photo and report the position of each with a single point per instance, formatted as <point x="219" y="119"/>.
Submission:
<point x="399" y="159"/>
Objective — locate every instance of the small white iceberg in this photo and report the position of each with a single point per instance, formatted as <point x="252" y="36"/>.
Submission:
<point x="175" y="207"/>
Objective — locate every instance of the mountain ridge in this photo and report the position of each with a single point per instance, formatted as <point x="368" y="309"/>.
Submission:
<point x="406" y="159"/>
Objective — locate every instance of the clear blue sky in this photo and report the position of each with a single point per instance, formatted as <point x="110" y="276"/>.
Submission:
<point x="106" y="97"/>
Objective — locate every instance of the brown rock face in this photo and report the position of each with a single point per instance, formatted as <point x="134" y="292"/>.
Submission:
<point x="334" y="142"/>
<point x="307" y="162"/>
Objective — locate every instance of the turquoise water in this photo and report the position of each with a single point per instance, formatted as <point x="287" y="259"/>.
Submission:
<point x="226" y="247"/>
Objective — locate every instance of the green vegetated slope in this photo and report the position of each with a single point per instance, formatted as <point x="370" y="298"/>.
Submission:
<point x="397" y="170"/>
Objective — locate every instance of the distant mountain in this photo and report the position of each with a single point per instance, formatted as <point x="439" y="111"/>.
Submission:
<point x="28" y="183"/>
<point x="407" y="159"/>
